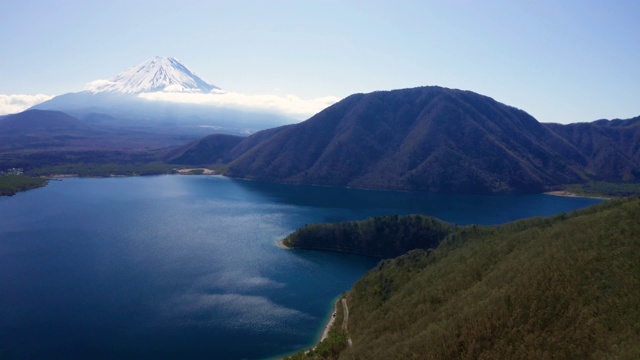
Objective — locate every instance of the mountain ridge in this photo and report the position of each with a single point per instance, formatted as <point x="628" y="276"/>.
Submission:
<point x="428" y="139"/>
<point x="396" y="139"/>
<point x="41" y="121"/>
<point x="611" y="147"/>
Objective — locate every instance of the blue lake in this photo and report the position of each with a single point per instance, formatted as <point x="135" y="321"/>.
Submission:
<point x="188" y="267"/>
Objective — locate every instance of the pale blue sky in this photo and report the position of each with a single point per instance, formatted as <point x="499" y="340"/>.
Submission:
<point x="561" y="61"/>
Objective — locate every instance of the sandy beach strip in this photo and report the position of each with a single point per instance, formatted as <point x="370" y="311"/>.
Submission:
<point x="205" y="171"/>
<point x="332" y="319"/>
<point x="281" y="245"/>
<point x="570" y="194"/>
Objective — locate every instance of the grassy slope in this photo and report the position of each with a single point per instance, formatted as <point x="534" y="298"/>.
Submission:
<point x="11" y="184"/>
<point x="601" y="188"/>
<point x="564" y="287"/>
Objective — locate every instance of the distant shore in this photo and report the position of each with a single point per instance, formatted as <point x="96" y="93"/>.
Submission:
<point x="281" y="245"/>
<point x="61" y="176"/>
<point x="570" y="194"/>
<point x="196" y="171"/>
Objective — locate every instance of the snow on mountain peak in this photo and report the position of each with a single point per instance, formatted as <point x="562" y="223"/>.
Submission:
<point x="156" y="74"/>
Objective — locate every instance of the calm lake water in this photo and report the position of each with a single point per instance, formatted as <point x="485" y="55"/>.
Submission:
<point x="187" y="266"/>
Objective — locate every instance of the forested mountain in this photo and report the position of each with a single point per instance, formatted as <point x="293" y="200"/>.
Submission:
<point x="563" y="287"/>
<point x="430" y="138"/>
<point x="212" y="149"/>
<point x="422" y="139"/>
<point x="611" y="147"/>
<point x="38" y="129"/>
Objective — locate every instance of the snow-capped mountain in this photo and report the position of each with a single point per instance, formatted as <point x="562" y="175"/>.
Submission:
<point x="156" y="74"/>
<point x="141" y="97"/>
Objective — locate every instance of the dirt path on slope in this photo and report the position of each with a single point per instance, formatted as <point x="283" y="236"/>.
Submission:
<point x="345" y="320"/>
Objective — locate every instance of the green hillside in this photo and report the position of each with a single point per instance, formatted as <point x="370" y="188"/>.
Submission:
<point x="566" y="287"/>
<point x="611" y="147"/>
<point x="11" y="184"/>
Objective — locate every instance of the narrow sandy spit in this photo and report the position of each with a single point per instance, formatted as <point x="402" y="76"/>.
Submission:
<point x="570" y="194"/>
<point x="332" y="319"/>
<point x="205" y="171"/>
<point x="281" y="245"/>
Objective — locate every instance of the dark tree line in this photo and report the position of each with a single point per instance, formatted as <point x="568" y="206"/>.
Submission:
<point x="382" y="237"/>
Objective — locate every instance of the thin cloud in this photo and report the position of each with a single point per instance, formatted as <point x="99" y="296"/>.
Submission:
<point x="95" y="85"/>
<point x="290" y="104"/>
<point x="15" y="103"/>
<point x="100" y="85"/>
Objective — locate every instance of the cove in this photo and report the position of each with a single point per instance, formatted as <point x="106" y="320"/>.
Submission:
<point x="187" y="267"/>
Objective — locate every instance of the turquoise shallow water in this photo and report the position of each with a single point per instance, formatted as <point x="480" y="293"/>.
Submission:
<point x="187" y="266"/>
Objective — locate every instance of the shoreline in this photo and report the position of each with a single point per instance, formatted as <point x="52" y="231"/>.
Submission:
<point x="181" y="171"/>
<point x="329" y="325"/>
<point x="334" y="313"/>
<point x="563" y="193"/>
<point x="325" y="332"/>
<point x="281" y="245"/>
<point x="190" y="171"/>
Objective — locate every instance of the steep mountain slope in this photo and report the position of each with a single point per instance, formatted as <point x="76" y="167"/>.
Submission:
<point x="213" y="149"/>
<point x="428" y="138"/>
<point x="562" y="288"/>
<point x="611" y="147"/>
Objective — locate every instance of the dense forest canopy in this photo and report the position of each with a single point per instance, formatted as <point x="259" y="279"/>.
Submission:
<point x="562" y="287"/>
<point x="383" y="237"/>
